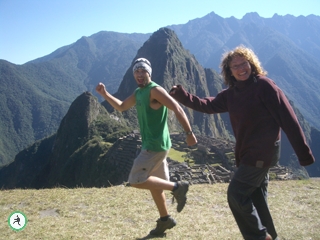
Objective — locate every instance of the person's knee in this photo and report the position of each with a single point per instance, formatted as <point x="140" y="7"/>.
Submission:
<point x="134" y="185"/>
<point x="137" y="185"/>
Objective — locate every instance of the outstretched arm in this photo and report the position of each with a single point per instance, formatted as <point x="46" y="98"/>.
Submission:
<point x="209" y="105"/>
<point x="115" y="102"/>
<point x="161" y="95"/>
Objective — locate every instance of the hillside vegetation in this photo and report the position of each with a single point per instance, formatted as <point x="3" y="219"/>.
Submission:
<point x="127" y="213"/>
<point x="35" y="96"/>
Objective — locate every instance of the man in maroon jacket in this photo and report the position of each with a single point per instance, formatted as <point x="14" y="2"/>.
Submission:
<point x="257" y="110"/>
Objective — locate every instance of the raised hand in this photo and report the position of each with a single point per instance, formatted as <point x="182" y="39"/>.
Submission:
<point x="173" y="90"/>
<point x="101" y="89"/>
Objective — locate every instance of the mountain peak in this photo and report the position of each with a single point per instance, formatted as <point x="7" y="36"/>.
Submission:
<point x="85" y="125"/>
<point x="167" y="57"/>
<point x="163" y="38"/>
<point x="171" y="65"/>
<point x="252" y="17"/>
<point x="74" y="127"/>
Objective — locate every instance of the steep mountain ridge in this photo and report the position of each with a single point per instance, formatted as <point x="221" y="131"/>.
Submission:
<point x="36" y="95"/>
<point x="76" y="130"/>
<point x="173" y="65"/>
<point x="72" y="155"/>
<point x="83" y="150"/>
<point x="287" y="46"/>
<point x="28" y="113"/>
<point x="88" y="150"/>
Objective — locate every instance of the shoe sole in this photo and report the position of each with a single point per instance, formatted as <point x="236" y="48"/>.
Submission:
<point x="182" y="207"/>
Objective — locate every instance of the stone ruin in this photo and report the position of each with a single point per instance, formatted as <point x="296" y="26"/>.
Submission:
<point x="282" y="173"/>
<point x="198" y="173"/>
<point x="123" y="152"/>
<point x="211" y="161"/>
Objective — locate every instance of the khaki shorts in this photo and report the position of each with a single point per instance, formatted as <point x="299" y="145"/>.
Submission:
<point x="149" y="163"/>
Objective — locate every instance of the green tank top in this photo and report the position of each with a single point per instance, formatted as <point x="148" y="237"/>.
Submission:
<point x="153" y="123"/>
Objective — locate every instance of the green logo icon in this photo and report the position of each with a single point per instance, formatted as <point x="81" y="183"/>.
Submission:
<point x="17" y="221"/>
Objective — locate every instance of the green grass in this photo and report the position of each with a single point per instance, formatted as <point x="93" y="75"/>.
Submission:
<point x="128" y="213"/>
<point x="178" y="155"/>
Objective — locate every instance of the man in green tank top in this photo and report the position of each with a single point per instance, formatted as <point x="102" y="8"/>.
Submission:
<point x="150" y="170"/>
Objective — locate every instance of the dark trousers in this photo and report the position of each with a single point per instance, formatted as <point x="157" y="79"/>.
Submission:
<point x="247" y="198"/>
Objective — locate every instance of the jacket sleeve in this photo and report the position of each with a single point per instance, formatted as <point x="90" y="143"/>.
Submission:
<point x="208" y="105"/>
<point x="280" y="108"/>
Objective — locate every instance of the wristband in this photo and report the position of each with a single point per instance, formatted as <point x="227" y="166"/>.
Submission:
<point x="189" y="133"/>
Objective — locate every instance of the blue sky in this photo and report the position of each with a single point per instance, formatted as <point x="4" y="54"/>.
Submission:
<point x="34" y="28"/>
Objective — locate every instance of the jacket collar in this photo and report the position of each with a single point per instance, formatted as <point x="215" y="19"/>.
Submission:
<point x="243" y="84"/>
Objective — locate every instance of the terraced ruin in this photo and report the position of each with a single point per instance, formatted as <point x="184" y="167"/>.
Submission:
<point x="210" y="161"/>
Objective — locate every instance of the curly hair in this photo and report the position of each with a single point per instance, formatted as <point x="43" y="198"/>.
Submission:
<point x="241" y="51"/>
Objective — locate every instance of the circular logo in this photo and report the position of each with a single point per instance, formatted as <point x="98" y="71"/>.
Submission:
<point x="17" y="221"/>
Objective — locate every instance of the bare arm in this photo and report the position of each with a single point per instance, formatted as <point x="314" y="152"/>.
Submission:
<point x="161" y="95"/>
<point x="115" y="102"/>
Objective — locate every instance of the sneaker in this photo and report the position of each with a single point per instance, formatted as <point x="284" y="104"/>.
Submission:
<point x="163" y="225"/>
<point x="181" y="194"/>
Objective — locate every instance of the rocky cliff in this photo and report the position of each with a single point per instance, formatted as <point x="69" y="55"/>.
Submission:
<point x="74" y="155"/>
<point x="172" y="65"/>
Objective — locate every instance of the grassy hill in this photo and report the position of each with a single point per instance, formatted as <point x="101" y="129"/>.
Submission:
<point x="128" y="213"/>
<point x="35" y="96"/>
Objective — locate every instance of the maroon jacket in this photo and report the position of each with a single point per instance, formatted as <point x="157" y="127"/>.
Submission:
<point x="257" y="110"/>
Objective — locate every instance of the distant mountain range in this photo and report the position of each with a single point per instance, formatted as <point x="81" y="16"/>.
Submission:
<point x="172" y="65"/>
<point x="35" y="96"/>
<point x="287" y="46"/>
<point x="83" y="152"/>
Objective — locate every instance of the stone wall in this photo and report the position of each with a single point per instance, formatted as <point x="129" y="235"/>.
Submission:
<point x="125" y="150"/>
<point x="123" y="153"/>
<point x="198" y="173"/>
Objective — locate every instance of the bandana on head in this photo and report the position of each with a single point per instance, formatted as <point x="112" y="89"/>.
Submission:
<point x="142" y="63"/>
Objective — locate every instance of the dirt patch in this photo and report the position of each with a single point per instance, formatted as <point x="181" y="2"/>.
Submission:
<point x="50" y="212"/>
<point x="315" y="178"/>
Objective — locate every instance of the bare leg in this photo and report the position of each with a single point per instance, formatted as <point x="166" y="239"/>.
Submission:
<point x="156" y="186"/>
<point x="155" y="183"/>
<point x="162" y="224"/>
<point x="160" y="200"/>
